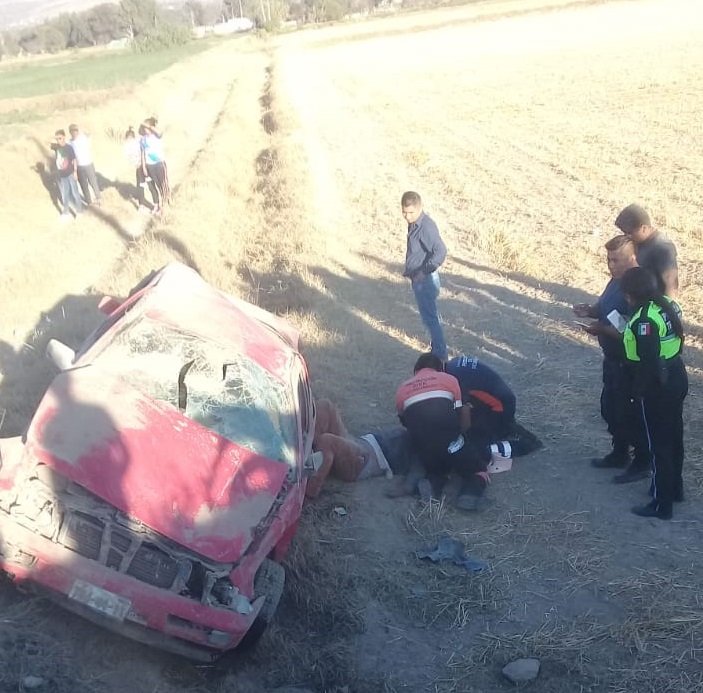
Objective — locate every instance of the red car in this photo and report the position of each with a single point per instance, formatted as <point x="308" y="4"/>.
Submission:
<point x="163" y="474"/>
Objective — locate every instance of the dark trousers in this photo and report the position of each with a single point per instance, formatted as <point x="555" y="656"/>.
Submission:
<point x="159" y="183"/>
<point x="87" y="178"/>
<point x="662" y="413"/>
<point x="623" y="415"/>
<point x="467" y="462"/>
<point x="488" y="426"/>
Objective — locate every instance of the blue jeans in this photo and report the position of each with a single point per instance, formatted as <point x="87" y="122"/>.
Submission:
<point x="426" y="292"/>
<point x="68" y="186"/>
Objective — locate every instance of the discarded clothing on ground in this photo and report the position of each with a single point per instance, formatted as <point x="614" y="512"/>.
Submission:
<point x="449" y="549"/>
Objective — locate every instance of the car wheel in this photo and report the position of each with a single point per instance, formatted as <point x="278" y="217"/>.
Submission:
<point x="269" y="582"/>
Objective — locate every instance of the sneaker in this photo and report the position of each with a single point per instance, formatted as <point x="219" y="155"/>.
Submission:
<point x="406" y="485"/>
<point x="611" y="460"/>
<point x="630" y="475"/>
<point x="472" y="504"/>
<point x="653" y="509"/>
<point x="499" y="464"/>
<point x="424" y="488"/>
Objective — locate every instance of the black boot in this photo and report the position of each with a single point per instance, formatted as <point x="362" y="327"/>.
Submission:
<point x="617" y="458"/>
<point x="632" y="473"/>
<point x="470" y="497"/>
<point x="656" y="509"/>
<point x="678" y="492"/>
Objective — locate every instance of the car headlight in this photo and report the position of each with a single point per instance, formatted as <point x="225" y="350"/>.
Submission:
<point x="218" y="638"/>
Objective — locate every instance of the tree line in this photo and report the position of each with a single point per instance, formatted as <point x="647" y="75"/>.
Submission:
<point x="147" y="25"/>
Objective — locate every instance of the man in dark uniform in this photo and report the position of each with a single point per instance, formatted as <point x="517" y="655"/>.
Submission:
<point x="653" y="340"/>
<point x="492" y="406"/>
<point x="655" y="252"/>
<point x="617" y="408"/>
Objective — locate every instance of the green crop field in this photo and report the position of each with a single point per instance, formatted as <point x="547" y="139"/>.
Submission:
<point x="88" y="71"/>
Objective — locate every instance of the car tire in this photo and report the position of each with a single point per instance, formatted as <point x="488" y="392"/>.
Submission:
<point x="269" y="582"/>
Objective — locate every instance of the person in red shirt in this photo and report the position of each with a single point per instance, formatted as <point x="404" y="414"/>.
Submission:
<point x="429" y="405"/>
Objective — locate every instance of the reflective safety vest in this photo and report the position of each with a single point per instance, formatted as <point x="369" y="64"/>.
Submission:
<point x="669" y="341"/>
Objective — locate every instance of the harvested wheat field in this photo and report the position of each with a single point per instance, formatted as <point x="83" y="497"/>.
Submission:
<point x="526" y="128"/>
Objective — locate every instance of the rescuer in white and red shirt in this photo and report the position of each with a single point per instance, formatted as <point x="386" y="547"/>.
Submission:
<point x="429" y="406"/>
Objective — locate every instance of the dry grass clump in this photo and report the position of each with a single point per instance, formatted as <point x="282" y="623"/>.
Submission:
<point x="26" y="650"/>
<point x="311" y="641"/>
<point x="655" y="647"/>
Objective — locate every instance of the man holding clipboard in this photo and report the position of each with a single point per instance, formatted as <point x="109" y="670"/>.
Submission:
<point x="610" y="313"/>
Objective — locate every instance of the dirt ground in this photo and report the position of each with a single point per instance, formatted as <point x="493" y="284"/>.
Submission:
<point x="525" y="132"/>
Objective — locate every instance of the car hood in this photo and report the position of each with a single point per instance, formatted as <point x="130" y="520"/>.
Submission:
<point x="153" y="463"/>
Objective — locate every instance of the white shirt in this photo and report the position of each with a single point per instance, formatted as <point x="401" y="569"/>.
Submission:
<point x="133" y="152"/>
<point x="81" y="148"/>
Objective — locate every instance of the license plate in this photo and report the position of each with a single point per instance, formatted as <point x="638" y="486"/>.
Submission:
<point x="100" y="600"/>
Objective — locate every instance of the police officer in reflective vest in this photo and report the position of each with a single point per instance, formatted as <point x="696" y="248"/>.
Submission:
<point x="653" y="340"/>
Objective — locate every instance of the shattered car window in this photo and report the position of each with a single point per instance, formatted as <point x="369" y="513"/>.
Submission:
<point x="222" y="390"/>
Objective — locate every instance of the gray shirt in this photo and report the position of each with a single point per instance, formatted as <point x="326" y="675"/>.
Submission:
<point x="657" y="254"/>
<point x="426" y="250"/>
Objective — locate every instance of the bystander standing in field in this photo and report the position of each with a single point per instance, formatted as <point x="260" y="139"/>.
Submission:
<point x="624" y="422"/>
<point x="653" y="341"/>
<point x="425" y="254"/>
<point x="87" y="178"/>
<point x="66" y="169"/>
<point x="654" y="250"/>
<point x="133" y="154"/>
<point x="154" y="162"/>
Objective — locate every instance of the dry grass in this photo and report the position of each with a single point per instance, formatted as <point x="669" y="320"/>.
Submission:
<point x="323" y="607"/>
<point x="26" y="650"/>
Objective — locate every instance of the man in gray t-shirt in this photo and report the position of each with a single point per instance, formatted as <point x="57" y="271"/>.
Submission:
<point x="654" y="250"/>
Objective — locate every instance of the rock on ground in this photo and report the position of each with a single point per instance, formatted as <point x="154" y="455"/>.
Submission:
<point x="522" y="670"/>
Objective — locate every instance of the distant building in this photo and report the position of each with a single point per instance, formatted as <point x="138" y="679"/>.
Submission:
<point x="233" y="26"/>
<point x="119" y="43"/>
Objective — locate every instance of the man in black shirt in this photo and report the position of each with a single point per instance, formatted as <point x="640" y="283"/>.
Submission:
<point x="655" y="252"/>
<point x="425" y="253"/>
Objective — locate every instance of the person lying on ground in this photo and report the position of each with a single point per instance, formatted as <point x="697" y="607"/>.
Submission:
<point x="387" y="452"/>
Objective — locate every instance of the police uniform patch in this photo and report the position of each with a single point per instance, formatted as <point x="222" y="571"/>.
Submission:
<point x="643" y="329"/>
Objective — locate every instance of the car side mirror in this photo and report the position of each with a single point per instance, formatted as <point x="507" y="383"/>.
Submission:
<point x="62" y="355"/>
<point x="312" y="464"/>
<point x="108" y="305"/>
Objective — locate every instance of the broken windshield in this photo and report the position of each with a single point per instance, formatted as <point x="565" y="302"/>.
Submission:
<point x="224" y="391"/>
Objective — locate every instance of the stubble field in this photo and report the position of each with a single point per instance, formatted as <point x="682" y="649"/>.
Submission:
<point x="525" y="132"/>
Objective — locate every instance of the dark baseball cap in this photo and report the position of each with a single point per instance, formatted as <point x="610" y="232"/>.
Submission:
<point x="632" y="218"/>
